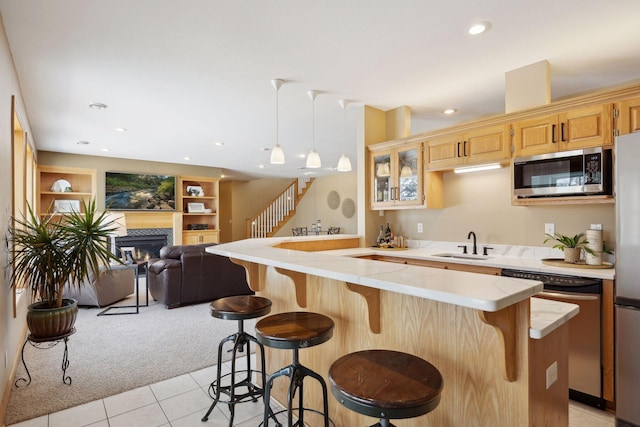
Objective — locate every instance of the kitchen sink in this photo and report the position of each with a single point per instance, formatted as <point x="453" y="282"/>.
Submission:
<point x="463" y="256"/>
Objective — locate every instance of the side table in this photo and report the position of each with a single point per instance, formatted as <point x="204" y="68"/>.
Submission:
<point x="48" y="343"/>
<point x="137" y="265"/>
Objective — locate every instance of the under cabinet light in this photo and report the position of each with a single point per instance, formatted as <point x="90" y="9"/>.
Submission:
<point x="478" y="168"/>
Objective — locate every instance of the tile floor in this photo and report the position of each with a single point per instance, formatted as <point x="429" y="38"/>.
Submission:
<point x="182" y="401"/>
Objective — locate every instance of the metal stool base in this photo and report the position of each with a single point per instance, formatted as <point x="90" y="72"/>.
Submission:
<point x="239" y="339"/>
<point x="296" y="373"/>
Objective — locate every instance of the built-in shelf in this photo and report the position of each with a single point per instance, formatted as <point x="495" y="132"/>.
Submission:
<point x="207" y="199"/>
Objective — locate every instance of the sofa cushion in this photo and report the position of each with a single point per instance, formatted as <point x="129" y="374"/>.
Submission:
<point x="176" y="251"/>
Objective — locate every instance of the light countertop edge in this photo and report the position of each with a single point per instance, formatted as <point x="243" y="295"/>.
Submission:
<point x="548" y="315"/>
<point x="497" y="261"/>
<point x="478" y="291"/>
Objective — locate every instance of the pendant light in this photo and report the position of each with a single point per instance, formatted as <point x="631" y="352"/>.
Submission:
<point x="313" y="159"/>
<point x="277" y="154"/>
<point x="344" y="164"/>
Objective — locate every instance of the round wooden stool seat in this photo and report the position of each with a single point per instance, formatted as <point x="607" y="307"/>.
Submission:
<point x="293" y="330"/>
<point x="240" y="307"/>
<point x="386" y="384"/>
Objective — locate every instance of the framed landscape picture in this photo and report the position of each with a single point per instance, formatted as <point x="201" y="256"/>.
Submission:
<point x="133" y="191"/>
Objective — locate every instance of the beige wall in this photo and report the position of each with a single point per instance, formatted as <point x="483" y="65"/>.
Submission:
<point x="12" y="330"/>
<point x="481" y="202"/>
<point x="314" y="205"/>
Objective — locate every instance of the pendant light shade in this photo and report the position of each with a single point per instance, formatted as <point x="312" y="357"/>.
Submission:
<point x="313" y="159"/>
<point x="277" y="154"/>
<point x="344" y="164"/>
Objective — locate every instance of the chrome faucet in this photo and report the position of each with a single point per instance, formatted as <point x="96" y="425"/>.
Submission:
<point x="475" y="248"/>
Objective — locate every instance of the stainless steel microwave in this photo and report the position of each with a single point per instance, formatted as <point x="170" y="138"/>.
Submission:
<point x="565" y="173"/>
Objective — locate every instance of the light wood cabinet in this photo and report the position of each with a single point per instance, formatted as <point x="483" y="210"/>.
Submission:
<point x="199" y="204"/>
<point x="484" y="145"/>
<point x="201" y="236"/>
<point x="577" y="128"/>
<point x="51" y="198"/>
<point x="628" y="116"/>
<point x="397" y="175"/>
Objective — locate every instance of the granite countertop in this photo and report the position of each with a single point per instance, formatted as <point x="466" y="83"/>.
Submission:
<point x="527" y="258"/>
<point x="547" y="315"/>
<point x="483" y="292"/>
<point x="478" y="291"/>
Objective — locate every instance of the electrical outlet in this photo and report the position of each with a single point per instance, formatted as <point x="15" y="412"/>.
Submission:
<point x="549" y="228"/>
<point x="596" y="226"/>
<point x="420" y="229"/>
<point x="552" y="374"/>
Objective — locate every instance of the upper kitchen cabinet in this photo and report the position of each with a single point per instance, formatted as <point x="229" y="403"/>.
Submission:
<point x="397" y="177"/>
<point x="577" y="128"/>
<point x="482" y="145"/>
<point x="628" y="116"/>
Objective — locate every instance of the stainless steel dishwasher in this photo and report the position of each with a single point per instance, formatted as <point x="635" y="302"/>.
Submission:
<point x="585" y="336"/>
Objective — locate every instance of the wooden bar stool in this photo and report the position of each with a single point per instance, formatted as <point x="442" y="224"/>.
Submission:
<point x="295" y="330"/>
<point x="385" y="384"/>
<point x="238" y="308"/>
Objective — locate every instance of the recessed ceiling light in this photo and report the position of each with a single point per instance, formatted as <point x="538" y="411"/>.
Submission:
<point x="187" y="158"/>
<point x="261" y="166"/>
<point x="450" y="111"/>
<point x="479" y="28"/>
<point x="83" y="143"/>
<point x="97" y="105"/>
<point x="219" y="144"/>
<point x="121" y="129"/>
<point x="265" y="149"/>
<point x="106" y="150"/>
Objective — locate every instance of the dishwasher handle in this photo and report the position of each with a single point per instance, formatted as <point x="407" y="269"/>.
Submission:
<point x="571" y="296"/>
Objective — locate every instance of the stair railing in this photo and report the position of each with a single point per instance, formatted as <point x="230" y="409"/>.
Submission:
<point x="270" y="218"/>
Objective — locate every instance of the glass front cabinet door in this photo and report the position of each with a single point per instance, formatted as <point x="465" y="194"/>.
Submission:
<point x="397" y="175"/>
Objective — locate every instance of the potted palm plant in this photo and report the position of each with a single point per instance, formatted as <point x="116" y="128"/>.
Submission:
<point x="55" y="250"/>
<point x="572" y="247"/>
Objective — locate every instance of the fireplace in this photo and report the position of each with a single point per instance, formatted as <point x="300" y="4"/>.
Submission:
<point x="145" y="246"/>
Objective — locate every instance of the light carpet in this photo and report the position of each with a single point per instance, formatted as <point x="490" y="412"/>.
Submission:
<point x="112" y="354"/>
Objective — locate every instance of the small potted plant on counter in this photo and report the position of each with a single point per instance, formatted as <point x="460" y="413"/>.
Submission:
<point x="571" y="246"/>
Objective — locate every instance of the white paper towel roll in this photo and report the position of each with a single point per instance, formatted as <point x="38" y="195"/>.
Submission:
<point x="594" y="237"/>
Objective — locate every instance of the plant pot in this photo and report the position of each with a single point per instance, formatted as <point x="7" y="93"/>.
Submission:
<point x="572" y="255"/>
<point x="44" y="322"/>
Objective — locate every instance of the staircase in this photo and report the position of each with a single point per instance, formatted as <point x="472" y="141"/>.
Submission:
<point x="276" y="214"/>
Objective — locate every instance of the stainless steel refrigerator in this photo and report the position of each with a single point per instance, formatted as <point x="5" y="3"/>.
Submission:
<point x="627" y="193"/>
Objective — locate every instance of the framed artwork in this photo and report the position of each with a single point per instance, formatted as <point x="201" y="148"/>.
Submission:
<point x="128" y="255"/>
<point x="195" y="208"/>
<point x="134" y="191"/>
<point x="66" y="206"/>
<point x="195" y="191"/>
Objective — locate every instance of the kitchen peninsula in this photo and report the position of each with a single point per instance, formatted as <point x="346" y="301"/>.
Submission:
<point x="476" y="329"/>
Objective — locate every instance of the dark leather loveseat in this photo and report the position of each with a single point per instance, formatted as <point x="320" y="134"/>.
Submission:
<point x="187" y="274"/>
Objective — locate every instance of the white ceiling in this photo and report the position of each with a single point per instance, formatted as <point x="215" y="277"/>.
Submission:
<point x="181" y="75"/>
